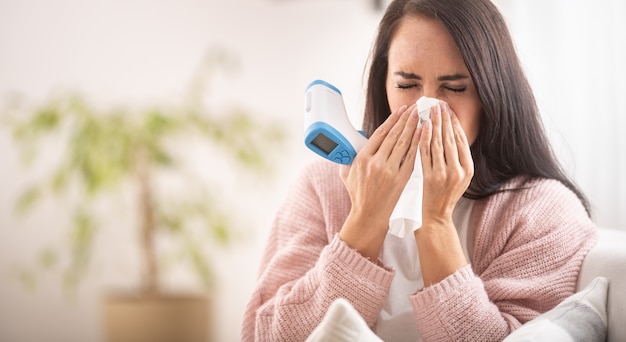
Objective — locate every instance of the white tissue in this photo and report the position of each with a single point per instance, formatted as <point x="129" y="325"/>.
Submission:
<point x="407" y="215"/>
<point x="424" y="104"/>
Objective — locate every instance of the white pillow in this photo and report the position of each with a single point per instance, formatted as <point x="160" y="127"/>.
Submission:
<point x="580" y="317"/>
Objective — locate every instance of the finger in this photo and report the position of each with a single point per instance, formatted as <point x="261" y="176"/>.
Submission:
<point x="436" y="142"/>
<point x="382" y="131"/>
<point x="408" y="163"/>
<point x="424" y="145"/>
<point x="449" y="143"/>
<point x="463" y="147"/>
<point x="388" y="144"/>
<point x="405" y="140"/>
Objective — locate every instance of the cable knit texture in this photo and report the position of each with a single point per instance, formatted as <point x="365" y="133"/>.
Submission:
<point x="529" y="246"/>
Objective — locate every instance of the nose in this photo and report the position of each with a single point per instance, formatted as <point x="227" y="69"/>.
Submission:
<point x="429" y="91"/>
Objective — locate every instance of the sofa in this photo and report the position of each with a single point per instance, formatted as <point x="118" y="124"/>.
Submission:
<point x="608" y="259"/>
<point x="596" y="312"/>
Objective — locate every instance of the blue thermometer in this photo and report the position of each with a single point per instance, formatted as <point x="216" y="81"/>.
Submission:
<point x="328" y="132"/>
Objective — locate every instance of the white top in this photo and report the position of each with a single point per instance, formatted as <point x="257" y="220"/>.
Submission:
<point x="395" y="321"/>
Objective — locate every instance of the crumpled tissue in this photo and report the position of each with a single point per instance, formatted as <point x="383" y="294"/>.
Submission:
<point x="407" y="214"/>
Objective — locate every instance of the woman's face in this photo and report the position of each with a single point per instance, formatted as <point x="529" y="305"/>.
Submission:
<point x="425" y="61"/>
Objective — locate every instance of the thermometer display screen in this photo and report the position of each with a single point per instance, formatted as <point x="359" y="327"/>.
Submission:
<point x="324" y="143"/>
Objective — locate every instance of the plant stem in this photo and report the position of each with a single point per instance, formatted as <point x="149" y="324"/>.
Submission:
<point x="149" y="281"/>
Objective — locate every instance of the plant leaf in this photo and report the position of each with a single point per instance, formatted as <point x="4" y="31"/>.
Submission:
<point x="81" y="241"/>
<point x="47" y="258"/>
<point x="27" y="200"/>
<point x="28" y="280"/>
<point x="200" y="264"/>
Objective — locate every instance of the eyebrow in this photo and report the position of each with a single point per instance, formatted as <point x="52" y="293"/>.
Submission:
<point x="411" y="76"/>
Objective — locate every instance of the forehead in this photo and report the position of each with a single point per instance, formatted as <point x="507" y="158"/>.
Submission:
<point x="420" y="40"/>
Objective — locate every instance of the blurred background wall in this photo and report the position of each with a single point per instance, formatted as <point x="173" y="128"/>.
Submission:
<point x="140" y="52"/>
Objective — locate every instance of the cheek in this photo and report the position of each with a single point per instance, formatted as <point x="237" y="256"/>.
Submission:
<point x="393" y="98"/>
<point x="470" y="122"/>
<point x="397" y="98"/>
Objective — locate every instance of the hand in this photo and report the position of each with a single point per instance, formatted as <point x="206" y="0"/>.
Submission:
<point x="376" y="179"/>
<point x="447" y="164"/>
<point x="448" y="168"/>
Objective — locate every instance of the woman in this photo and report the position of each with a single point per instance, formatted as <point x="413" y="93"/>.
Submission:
<point x="504" y="231"/>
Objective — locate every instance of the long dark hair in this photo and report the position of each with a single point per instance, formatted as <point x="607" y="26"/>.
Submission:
<point x="511" y="140"/>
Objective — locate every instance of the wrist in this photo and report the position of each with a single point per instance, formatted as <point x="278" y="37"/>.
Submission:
<point x="365" y="234"/>
<point x="439" y="249"/>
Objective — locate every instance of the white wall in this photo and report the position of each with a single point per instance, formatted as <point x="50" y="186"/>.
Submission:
<point x="144" y="51"/>
<point x="141" y="52"/>
<point x="574" y="52"/>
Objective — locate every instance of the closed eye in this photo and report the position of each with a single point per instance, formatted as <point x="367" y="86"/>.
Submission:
<point x="405" y="86"/>
<point x="457" y="89"/>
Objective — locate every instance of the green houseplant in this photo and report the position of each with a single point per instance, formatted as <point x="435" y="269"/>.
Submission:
<point x="109" y="149"/>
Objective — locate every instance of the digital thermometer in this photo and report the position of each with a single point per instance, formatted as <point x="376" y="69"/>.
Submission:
<point x="328" y="132"/>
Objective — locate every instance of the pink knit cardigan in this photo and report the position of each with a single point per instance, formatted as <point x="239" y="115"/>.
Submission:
<point x="528" y="249"/>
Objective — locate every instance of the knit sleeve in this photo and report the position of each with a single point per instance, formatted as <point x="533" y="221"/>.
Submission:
<point x="528" y="250"/>
<point x="305" y="266"/>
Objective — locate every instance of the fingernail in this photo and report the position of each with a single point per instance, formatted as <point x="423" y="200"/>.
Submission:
<point x="437" y="109"/>
<point x="447" y="108"/>
<point x="414" y="112"/>
<point x="399" y="111"/>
